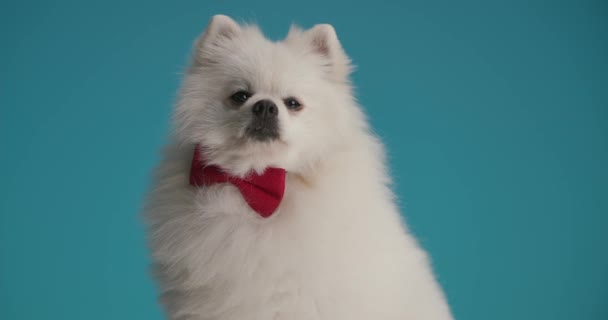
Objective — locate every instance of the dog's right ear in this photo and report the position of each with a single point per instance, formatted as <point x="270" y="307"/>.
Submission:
<point x="221" y="28"/>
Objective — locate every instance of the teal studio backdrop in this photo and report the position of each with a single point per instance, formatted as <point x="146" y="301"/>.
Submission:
<point x="494" y="114"/>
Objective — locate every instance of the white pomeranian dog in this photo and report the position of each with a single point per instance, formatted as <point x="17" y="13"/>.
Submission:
<point x="272" y="200"/>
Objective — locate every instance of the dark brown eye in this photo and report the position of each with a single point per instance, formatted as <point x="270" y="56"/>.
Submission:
<point x="240" y="96"/>
<point x="292" y="103"/>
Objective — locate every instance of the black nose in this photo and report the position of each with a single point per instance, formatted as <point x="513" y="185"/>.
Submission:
<point x="265" y="109"/>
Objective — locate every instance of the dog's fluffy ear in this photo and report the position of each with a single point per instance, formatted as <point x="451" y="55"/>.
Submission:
<point x="323" y="40"/>
<point x="220" y="28"/>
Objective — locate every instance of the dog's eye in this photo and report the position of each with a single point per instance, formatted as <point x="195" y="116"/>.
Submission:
<point x="292" y="103"/>
<point x="240" y="96"/>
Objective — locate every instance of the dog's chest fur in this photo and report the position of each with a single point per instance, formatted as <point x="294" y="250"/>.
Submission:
<point x="335" y="249"/>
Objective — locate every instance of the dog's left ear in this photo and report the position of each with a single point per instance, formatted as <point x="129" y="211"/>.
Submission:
<point x="323" y="41"/>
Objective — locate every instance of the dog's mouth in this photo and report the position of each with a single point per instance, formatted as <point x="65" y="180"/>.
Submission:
<point x="263" y="130"/>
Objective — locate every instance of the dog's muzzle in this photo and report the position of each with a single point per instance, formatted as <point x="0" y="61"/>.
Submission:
<point x="265" y="123"/>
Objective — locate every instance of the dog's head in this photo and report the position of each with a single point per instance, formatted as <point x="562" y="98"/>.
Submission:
<point x="252" y="103"/>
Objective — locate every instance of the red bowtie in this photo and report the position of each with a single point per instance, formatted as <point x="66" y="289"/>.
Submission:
<point x="263" y="192"/>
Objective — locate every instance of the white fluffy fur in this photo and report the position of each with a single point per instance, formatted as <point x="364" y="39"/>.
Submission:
<point x="336" y="248"/>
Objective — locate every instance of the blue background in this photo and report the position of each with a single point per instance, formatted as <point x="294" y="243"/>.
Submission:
<point x="494" y="113"/>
